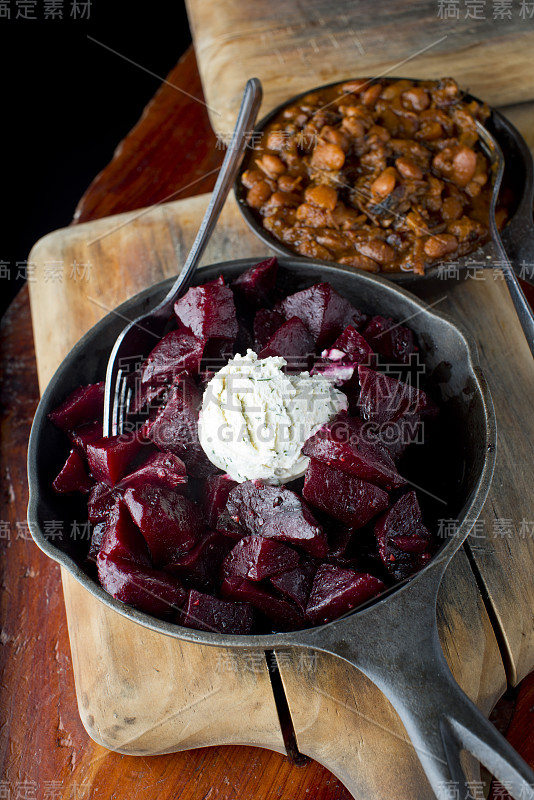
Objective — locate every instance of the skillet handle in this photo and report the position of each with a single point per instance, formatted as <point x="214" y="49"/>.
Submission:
<point x="442" y="721"/>
<point x="396" y="644"/>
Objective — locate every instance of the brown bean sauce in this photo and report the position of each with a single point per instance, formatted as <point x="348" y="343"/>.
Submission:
<point x="386" y="176"/>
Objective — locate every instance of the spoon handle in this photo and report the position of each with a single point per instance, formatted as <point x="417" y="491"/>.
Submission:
<point x="246" y="118"/>
<point x="524" y="311"/>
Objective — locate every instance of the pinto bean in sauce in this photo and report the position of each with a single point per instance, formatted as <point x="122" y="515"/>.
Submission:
<point x="386" y="176"/>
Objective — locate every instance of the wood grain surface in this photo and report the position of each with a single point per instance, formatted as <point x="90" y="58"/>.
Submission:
<point x="294" y="46"/>
<point x="43" y="746"/>
<point x="155" y="241"/>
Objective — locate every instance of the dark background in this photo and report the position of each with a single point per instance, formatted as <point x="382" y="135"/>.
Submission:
<point x="68" y="102"/>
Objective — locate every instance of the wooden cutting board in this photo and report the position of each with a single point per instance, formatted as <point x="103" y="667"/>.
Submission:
<point x="293" y="46"/>
<point x="142" y="693"/>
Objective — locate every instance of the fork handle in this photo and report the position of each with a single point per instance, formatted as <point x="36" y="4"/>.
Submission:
<point x="246" y="118"/>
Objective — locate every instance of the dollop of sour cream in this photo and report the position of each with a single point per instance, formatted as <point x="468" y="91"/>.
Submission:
<point x="255" y="418"/>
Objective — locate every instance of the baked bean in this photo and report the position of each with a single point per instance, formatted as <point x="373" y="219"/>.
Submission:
<point x="416" y="98"/>
<point x="377" y="250"/>
<point x="383" y="176"/>
<point x="258" y="194"/>
<point x="328" y="156"/>
<point x="385" y="183"/>
<point x="272" y="165"/>
<point x="323" y="196"/>
<point x="442" y="245"/>
<point x="250" y="177"/>
<point x="408" y="168"/>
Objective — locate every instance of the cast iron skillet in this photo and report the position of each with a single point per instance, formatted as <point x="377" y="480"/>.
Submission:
<point x="517" y="236"/>
<point x="393" y="640"/>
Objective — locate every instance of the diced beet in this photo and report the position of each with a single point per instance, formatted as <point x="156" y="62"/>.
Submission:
<point x="265" y="324"/>
<point x="206" y="613"/>
<point x="178" y="353"/>
<point x="100" y="502"/>
<point x="345" y="497"/>
<point x="392" y="341"/>
<point x="96" y="541"/>
<point x="257" y="283"/>
<point x="160" y="469"/>
<point x="339" y="540"/>
<point x="293" y="342"/>
<point x="345" y="444"/>
<point x="256" y="558"/>
<point x="395" y="408"/>
<point x="275" y="513"/>
<point x="200" y="566"/>
<point x="147" y="396"/>
<point x="324" y="312"/>
<point x="336" y="590"/>
<point x="169" y="521"/>
<point x="340" y="361"/>
<point x="109" y="458"/>
<point x="208" y="311"/>
<point x="86" y="434"/>
<point x="122" y="539"/>
<point x="350" y="347"/>
<point x="175" y="429"/>
<point x="84" y="404"/>
<point x="281" y="613"/>
<point x="385" y="399"/>
<point x="216" y="491"/>
<point x="296" y="583"/>
<point x="144" y="588"/>
<point x="73" y="476"/>
<point x="402" y="537"/>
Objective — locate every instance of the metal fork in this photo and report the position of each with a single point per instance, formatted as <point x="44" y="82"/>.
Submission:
<point x="140" y="336"/>
<point x="522" y="307"/>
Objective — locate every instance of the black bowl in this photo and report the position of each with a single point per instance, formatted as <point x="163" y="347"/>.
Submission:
<point x="518" y="182"/>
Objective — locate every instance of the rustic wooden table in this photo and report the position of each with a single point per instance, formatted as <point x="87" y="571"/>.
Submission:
<point x="44" y="749"/>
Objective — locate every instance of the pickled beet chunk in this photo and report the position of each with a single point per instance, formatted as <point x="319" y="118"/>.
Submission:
<point x="100" y="502"/>
<point x="349" y="347"/>
<point x="147" y="589"/>
<point x="256" y="284"/>
<point x="256" y="558"/>
<point x="208" y="311"/>
<point x="345" y="444"/>
<point x="336" y="590"/>
<point x="175" y="429"/>
<point x="73" y="476"/>
<point x="339" y="362"/>
<point x="160" y="469"/>
<point x="266" y="323"/>
<point x="178" y="353"/>
<point x="345" y="497"/>
<point x="169" y="521"/>
<point x="385" y="399"/>
<point x="324" y="312"/>
<point x="84" y="404"/>
<point x="389" y="339"/>
<point x="200" y="566"/>
<point x="403" y="539"/>
<point x="216" y="491"/>
<point x="296" y="584"/>
<point x="206" y="613"/>
<point x="86" y="434"/>
<point x="281" y="613"/>
<point x="96" y="540"/>
<point x="110" y="457"/>
<point x="274" y="512"/>
<point x="293" y="342"/>
<point x="120" y="538"/>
